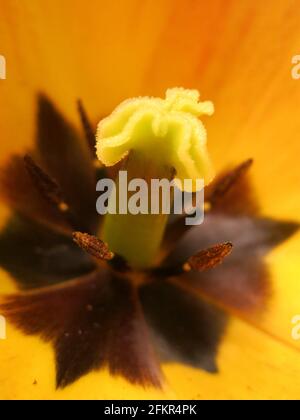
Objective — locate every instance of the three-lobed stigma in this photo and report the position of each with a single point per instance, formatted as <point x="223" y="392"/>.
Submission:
<point x="167" y="131"/>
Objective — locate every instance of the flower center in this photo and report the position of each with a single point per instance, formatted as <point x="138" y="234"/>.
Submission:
<point x="156" y="139"/>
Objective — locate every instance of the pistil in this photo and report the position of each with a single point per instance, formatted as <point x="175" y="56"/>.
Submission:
<point x="159" y="138"/>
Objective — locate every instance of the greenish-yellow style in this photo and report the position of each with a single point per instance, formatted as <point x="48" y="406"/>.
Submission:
<point x="159" y="138"/>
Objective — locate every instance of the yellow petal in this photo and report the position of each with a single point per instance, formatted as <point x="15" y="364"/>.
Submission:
<point x="252" y="366"/>
<point x="240" y="55"/>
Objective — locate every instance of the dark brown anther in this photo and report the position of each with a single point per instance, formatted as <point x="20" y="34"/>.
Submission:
<point x="46" y="185"/>
<point x="93" y="246"/>
<point x="50" y="190"/>
<point x="208" y="258"/>
<point x="224" y="184"/>
<point x="87" y="126"/>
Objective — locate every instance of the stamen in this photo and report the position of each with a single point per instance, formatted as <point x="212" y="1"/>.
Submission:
<point x="89" y="133"/>
<point x="92" y="245"/>
<point x="50" y="190"/>
<point x="213" y="193"/>
<point x="46" y="185"/>
<point x="87" y="126"/>
<point x="208" y="258"/>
